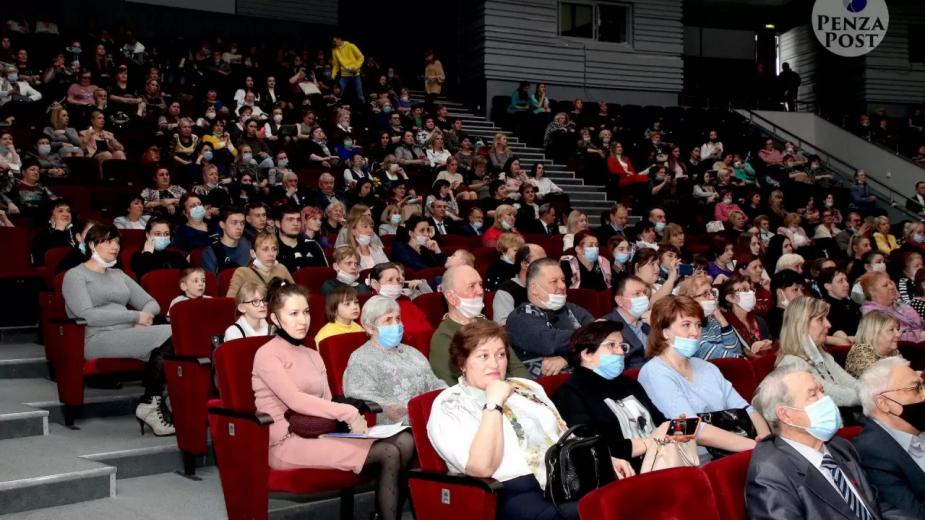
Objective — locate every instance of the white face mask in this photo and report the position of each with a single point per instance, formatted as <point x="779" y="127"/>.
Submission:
<point x="747" y="301"/>
<point x="708" y="306"/>
<point x="390" y="291"/>
<point x="421" y="240"/>
<point x="364" y="240"/>
<point x="347" y="278"/>
<point x="554" y="302"/>
<point x="99" y="260"/>
<point x="878" y="268"/>
<point x="470" y="307"/>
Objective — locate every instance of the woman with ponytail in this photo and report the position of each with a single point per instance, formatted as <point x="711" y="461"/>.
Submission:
<point x="290" y="376"/>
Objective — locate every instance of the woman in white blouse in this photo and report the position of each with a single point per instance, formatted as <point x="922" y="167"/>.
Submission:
<point x="437" y="154"/>
<point x="544" y="185"/>
<point x="489" y="425"/>
<point x="360" y="237"/>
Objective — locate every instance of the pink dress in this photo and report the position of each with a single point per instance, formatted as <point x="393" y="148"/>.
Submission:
<point x="289" y="377"/>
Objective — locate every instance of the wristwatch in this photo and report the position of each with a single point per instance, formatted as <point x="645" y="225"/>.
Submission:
<point x="491" y="407"/>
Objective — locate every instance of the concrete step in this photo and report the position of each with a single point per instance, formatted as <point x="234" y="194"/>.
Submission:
<point x="17" y="421"/>
<point x="22" y="360"/>
<point x="42" y="394"/>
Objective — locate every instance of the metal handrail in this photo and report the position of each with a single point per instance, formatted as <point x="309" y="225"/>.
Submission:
<point x="830" y="158"/>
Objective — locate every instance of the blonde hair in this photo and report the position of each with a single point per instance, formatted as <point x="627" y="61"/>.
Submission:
<point x="691" y="285"/>
<point x="362" y="219"/>
<point x="571" y="225"/>
<point x="248" y="290"/>
<point x="791" y="218"/>
<point x="879" y="221"/>
<point x="871" y="325"/>
<point x="507" y="241"/>
<point x="496" y="142"/>
<point x="264" y="236"/>
<point x="387" y="213"/>
<point x="671" y="230"/>
<point x="786" y="261"/>
<point x="56" y="117"/>
<point x="796" y="320"/>
<point x="502" y="211"/>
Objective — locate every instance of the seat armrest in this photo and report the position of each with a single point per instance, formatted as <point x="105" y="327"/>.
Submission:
<point x="489" y="485"/>
<point x="362" y="405"/>
<point x="259" y="418"/>
<point x="202" y="361"/>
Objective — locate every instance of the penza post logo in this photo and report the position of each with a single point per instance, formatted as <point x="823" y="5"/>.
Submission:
<point x="850" y="28"/>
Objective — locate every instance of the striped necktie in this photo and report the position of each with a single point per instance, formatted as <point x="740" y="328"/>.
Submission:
<point x="841" y="482"/>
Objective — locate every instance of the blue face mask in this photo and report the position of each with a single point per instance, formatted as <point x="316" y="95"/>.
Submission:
<point x="83" y="247"/>
<point x="824" y="419"/>
<point x="506" y="226"/>
<point x="395" y="219"/>
<point x="659" y="227"/>
<point x="592" y="253"/>
<point x="161" y="243"/>
<point x="390" y="335"/>
<point x="282" y="163"/>
<point x="611" y="366"/>
<point x="208" y="156"/>
<point x="687" y="347"/>
<point x="197" y="213"/>
<point x="622" y="258"/>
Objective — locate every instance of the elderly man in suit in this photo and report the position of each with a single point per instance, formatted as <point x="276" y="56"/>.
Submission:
<point x="892" y="444"/>
<point x="631" y="295"/>
<point x="804" y="470"/>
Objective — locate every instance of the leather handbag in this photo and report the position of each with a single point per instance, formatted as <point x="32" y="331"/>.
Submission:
<point x="576" y="466"/>
<point x="733" y="420"/>
<point x="664" y="454"/>
<point x="312" y="427"/>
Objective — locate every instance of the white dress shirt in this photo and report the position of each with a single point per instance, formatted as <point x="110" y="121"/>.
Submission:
<point x="914" y="445"/>
<point x="814" y="457"/>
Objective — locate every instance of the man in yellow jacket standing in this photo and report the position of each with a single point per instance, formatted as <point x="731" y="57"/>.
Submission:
<point x="346" y="62"/>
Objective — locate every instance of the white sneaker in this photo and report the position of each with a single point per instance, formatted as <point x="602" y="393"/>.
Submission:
<point x="152" y="414"/>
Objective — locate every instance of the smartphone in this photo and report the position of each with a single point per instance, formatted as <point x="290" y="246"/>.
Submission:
<point x="685" y="269"/>
<point x="683" y="426"/>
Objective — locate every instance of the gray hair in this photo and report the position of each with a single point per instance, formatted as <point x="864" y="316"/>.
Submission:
<point x="875" y="380"/>
<point x="773" y="392"/>
<point x="375" y="308"/>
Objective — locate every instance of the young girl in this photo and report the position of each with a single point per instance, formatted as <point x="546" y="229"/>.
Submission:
<point x="341" y="310"/>
<point x="252" y="304"/>
<point x="192" y="286"/>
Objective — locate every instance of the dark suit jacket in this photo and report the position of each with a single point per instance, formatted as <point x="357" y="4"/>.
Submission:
<point x="635" y="357"/>
<point x="604" y="233"/>
<point x="448" y="225"/>
<point x="912" y="204"/>
<point x="782" y="484"/>
<point x="898" y="479"/>
<point x="470" y="231"/>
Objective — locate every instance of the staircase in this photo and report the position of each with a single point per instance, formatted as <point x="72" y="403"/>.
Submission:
<point x="105" y="470"/>
<point x="588" y="199"/>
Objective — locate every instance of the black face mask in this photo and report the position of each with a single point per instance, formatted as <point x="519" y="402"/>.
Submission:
<point x="913" y="413"/>
<point x="281" y="332"/>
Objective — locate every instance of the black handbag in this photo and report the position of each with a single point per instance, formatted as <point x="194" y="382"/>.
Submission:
<point x="733" y="420"/>
<point x="576" y="466"/>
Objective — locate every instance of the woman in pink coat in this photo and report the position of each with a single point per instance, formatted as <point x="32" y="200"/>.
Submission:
<point x="290" y="376"/>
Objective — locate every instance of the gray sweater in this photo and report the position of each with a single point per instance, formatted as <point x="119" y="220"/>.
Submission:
<point x="106" y="301"/>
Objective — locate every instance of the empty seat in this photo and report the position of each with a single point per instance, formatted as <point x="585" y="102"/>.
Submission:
<point x="671" y="493"/>
<point x="727" y="478"/>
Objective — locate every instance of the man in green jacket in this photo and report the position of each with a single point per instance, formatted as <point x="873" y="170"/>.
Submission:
<point x="462" y="288"/>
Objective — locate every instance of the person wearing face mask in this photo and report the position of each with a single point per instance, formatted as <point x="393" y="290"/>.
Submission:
<point x="388" y="279"/>
<point x="717" y="338"/>
<point x="880" y="295"/>
<point x="262" y="267"/>
<point x="541" y="328"/>
<point x="801" y="344"/>
<point x="737" y="300"/>
<point x="463" y="292"/>
<point x="804" y="470"/>
<point x="414" y="247"/>
<point x="622" y="251"/>
<point x="631" y="296"/>
<point x="586" y="269"/>
<point x="155" y="253"/>
<point x="120" y="321"/>
<point x="475" y="225"/>
<point x="384" y="370"/>
<point x="600" y="395"/>
<point x="681" y="384"/>
<point x="889" y="446"/>
<point x="288" y="376"/>
<point x="347" y="266"/>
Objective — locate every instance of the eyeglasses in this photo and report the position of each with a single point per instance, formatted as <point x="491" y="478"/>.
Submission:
<point x="257" y="302"/>
<point x="612" y="345"/>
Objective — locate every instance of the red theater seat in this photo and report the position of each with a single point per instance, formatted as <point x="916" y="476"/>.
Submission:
<point x="435" y="493"/>
<point x="489" y="300"/>
<point x="762" y="366"/>
<point x="727" y="477"/>
<point x="433" y="305"/>
<point x="587" y="299"/>
<point x="677" y="493"/>
<point x="53" y="257"/>
<point x="739" y="372"/>
<point x="336" y="351"/>
<point x="313" y="277"/>
<point x="552" y="383"/>
<point x="193" y="324"/>
<point x="65" y="351"/>
<point x="224" y="280"/>
<point x="241" y="436"/>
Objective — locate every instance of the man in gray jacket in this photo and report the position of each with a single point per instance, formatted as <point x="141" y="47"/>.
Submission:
<point x="804" y="470"/>
<point x="540" y="328"/>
